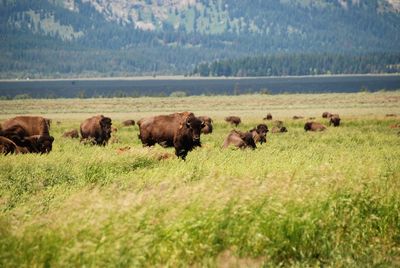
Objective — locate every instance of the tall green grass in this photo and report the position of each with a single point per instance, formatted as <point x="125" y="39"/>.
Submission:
<point x="301" y="199"/>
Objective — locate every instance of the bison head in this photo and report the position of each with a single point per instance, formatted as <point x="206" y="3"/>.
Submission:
<point x="193" y="126"/>
<point x="105" y="124"/>
<point x="307" y="126"/>
<point x="39" y="143"/>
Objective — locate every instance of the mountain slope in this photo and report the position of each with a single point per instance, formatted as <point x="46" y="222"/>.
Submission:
<point x="125" y="37"/>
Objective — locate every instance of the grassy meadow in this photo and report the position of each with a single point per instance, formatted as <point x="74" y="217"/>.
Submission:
<point x="301" y="199"/>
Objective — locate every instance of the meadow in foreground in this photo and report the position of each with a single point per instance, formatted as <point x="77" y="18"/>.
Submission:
<point x="301" y="199"/>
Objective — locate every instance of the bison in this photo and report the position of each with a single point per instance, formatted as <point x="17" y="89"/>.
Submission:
<point x="128" y="123"/>
<point x="7" y="146"/>
<point x="97" y="129"/>
<point x="240" y="140"/>
<point x="73" y="134"/>
<point x="208" y="127"/>
<point x="259" y="133"/>
<point x="281" y="129"/>
<point x="335" y="120"/>
<point x="247" y="139"/>
<point x="326" y="115"/>
<point x="31" y="133"/>
<point x="234" y="120"/>
<point x="179" y="130"/>
<point x="295" y="117"/>
<point x="314" y="126"/>
<point x="268" y="117"/>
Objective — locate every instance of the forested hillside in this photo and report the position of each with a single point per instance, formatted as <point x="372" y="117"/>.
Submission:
<point x="61" y="38"/>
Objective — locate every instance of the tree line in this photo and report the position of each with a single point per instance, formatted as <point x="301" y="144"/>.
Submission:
<point x="301" y="64"/>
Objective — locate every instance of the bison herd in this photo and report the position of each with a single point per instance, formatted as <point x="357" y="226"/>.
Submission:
<point x="30" y="134"/>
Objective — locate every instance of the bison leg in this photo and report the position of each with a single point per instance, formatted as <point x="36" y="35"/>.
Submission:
<point x="181" y="153"/>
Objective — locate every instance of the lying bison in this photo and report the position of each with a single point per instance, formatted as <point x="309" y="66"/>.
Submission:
<point x="179" y="130"/>
<point x="96" y="129"/>
<point x="239" y="139"/>
<point x="234" y="120"/>
<point x="7" y="146"/>
<point x="314" y="126"/>
<point x="295" y="117"/>
<point x="31" y="133"/>
<point x="335" y="120"/>
<point x="281" y="129"/>
<point x="208" y="127"/>
<point x="247" y="139"/>
<point x="128" y="123"/>
<point x="73" y="134"/>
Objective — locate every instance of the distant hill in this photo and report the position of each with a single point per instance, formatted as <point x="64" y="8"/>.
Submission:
<point x="61" y="38"/>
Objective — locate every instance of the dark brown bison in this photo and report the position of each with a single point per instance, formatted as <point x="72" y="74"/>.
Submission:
<point x="295" y="117"/>
<point x="390" y="115"/>
<point x="326" y="114"/>
<point x="268" y="117"/>
<point x="281" y="129"/>
<point x="335" y="120"/>
<point x="259" y="133"/>
<point x="96" y="129"/>
<point x="239" y="139"/>
<point x="73" y="134"/>
<point x="314" y="126"/>
<point x="234" y="120"/>
<point x="208" y="127"/>
<point x="179" y="130"/>
<point x="31" y="133"/>
<point x="128" y="123"/>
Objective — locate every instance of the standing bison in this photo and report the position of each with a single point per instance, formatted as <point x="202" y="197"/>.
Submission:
<point x="314" y="126"/>
<point x="335" y="120"/>
<point x="30" y="133"/>
<point x="179" y="130"/>
<point x="96" y="129"/>
<point x="234" y="120"/>
<point x="208" y="127"/>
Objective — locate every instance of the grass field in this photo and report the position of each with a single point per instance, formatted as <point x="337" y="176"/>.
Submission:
<point x="301" y="199"/>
